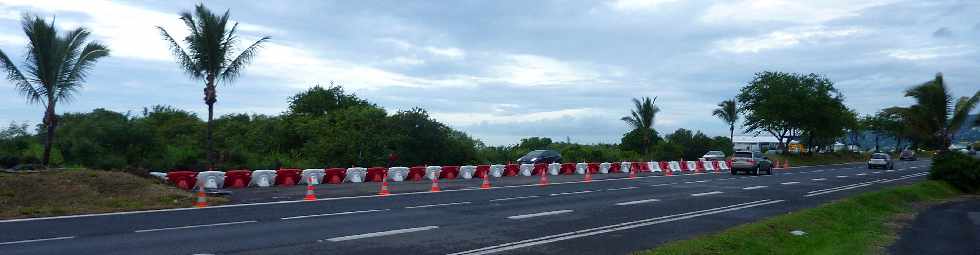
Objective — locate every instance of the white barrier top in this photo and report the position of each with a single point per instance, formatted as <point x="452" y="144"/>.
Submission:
<point x="263" y="178"/>
<point x="526" y="169"/>
<point x="625" y="167"/>
<point x="317" y="175"/>
<point x="397" y="173"/>
<point x="432" y="172"/>
<point x="580" y="168"/>
<point x="355" y="174"/>
<point x="211" y="179"/>
<point x="604" y="167"/>
<point x="467" y="171"/>
<point x="497" y="170"/>
<point x="554" y="168"/>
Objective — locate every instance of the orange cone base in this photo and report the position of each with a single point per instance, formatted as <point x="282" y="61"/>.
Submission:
<point x="309" y="198"/>
<point x="201" y="204"/>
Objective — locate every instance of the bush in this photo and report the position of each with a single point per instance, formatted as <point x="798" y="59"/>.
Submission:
<point x="959" y="170"/>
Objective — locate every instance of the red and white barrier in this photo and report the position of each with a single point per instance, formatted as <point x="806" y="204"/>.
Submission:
<point x="312" y="175"/>
<point x="554" y="168"/>
<point x="724" y="166"/>
<point x="675" y="167"/>
<point x="432" y="172"/>
<point x="691" y="166"/>
<point x="624" y="167"/>
<point x="604" y="167"/>
<point x="654" y="167"/>
<point x="335" y="175"/>
<point x="467" y="171"/>
<point x="581" y="168"/>
<point x="211" y="179"/>
<point x="708" y="166"/>
<point x="526" y="169"/>
<point x="356" y="174"/>
<point x="263" y="178"/>
<point x="397" y="173"/>
<point x="497" y="170"/>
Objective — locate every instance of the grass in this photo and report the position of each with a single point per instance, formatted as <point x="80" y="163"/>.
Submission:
<point x="856" y="225"/>
<point x="66" y="192"/>
<point x="820" y="159"/>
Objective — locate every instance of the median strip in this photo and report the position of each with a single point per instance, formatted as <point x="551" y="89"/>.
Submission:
<point x="382" y="233"/>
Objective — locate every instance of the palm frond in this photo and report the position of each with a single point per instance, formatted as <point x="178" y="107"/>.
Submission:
<point x="86" y="59"/>
<point x="183" y="59"/>
<point x="20" y="82"/>
<point x="962" y="111"/>
<point x="236" y="66"/>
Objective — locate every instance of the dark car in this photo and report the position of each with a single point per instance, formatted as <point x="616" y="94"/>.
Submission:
<point x="907" y="155"/>
<point x="540" y="156"/>
<point x="881" y="160"/>
<point x="751" y="162"/>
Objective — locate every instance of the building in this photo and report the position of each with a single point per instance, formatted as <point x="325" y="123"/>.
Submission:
<point x="755" y="143"/>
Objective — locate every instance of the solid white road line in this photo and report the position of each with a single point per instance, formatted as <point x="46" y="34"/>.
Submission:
<point x="905" y="177"/>
<point x="840" y="187"/>
<point x="706" y="193"/>
<point x="862" y="174"/>
<point x="437" y="205"/>
<point x="701" y="181"/>
<point x="789" y="183"/>
<point x="572" y="193"/>
<point x="38" y="240"/>
<point x="754" y="187"/>
<point x="820" y="179"/>
<point x="638" y="202"/>
<point x="512" y="198"/>
<point x="889" y="171"/>
<point x="613" y="228"/>
<point x="841" y="176"/>
<point x="195" y="226"/>
<point x="382" y="233"/>
<point x="333" y="214"/>
<point x="626" y="188"/>
<point x="525" y="216"/>
<point x="876" y="172"/>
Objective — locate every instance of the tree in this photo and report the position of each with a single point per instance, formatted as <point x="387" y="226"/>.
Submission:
<point x="875" y="124"/>
<point x="636" y="140"/>
<point x="727" y="112"/>
<point x="56" y="65"/>
<point x="934" y="114"/>
<point x="318" y="101"/>
<point x="208" y="56"/>
<point x="642" y="118"/>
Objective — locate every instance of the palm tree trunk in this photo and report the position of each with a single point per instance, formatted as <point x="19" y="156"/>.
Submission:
<point x="210" y="97"/>
<point x="49" y="123"/>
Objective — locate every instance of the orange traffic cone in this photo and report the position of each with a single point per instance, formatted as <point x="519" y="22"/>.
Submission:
<point x="435" y="185"/>
<point x="202" y="200"/>
<point x="486" y="181"/>
<point x="309" y="191"/>
<point x="544" y="178"/>
<point x="632" y="174"/>
<point x="384" y="186"/>
<point x="588" y="175"/>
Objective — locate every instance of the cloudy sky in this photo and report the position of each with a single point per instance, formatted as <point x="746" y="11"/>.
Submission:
<point x="502" y="70"/>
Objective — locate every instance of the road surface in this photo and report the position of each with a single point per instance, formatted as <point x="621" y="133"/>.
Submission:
<point x="611" y="215"/>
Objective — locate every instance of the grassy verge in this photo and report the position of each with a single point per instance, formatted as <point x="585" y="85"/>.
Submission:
<point x="855" y="225"/>
<point x="54" y="193"/>
<point x="820" y="159"/>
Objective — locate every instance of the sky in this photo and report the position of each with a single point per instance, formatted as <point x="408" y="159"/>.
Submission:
<point x="504" y="70"/>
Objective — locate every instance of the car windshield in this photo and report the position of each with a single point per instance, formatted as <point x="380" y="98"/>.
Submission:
<point x="715" y="153"/>
<point x="533" y="154"/>
<point x="879" y="156"/>
<point x="743" y="154"/>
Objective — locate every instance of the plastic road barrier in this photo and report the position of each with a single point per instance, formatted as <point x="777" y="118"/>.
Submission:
<point x="708" y="165"/>
<point x="567" y="168"/>
<point x="356" y="174"/>
<point x="640" y="167"/>
<point x="665" y="165"/>
<point x="287" y="176"/>
<point x="691" y="165"/>
<point x="699" y="166"/>
<point x="511" y="169"/>
<point x="604" y="167"/>
<point x="615" y="167"/>
<point x="397" y="173"/>
<point x="159" y="175"/>
<point x="526" y="169"/>
<point x="553" y="168"/>
<point x="676" y="167"/>
<point x="654" y="167"/>
<point x="375" y="174"/>
<point x="312" y="175"/>
<point x="416" y="173"/>
<point x="624" y="167"/>
<point x="724" y="165"/>
<point x="432" y="172"/>
<point x="580" y="168"/>
<point x="538" y="168"/>
<point x="335" y="175"/>
<point x="263" y="178"/>
<point x="497" y="170"/>
<point x="237" y="178"/>
<point x="182" y="179"/>
<point x="593" y="168"/>
<point x="481" y="171"/>
<point x="449" y="172"/>
<point x="467" y="171"/>
<point x="211" y="179"/>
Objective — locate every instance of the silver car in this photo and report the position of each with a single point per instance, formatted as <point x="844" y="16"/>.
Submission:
<point x="881" y="160"/>
<point x="751" y="162"/>
<point x="714" y="156"/>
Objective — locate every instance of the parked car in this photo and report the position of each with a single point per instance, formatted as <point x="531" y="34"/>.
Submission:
<point x="881" y="160"/>
<point x="751" y="162"/>
<point x="540" y="156"/>
<point x="714" y="156"/>
<point x="907" y="154"/>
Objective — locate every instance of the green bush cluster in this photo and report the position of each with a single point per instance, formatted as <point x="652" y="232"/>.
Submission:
<point x="960" y="170"/>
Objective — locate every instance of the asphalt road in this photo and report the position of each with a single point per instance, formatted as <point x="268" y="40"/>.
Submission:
<point x="611" y="215"/>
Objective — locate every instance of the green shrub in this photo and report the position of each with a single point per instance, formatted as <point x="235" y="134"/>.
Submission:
<point x="959" y="170"/>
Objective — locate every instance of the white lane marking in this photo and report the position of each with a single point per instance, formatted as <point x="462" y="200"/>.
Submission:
<point x="437" y="205"/>
<point x="701" y="181"/>
<point x="688" y="182"/>
<point x="525" y="216"/>
<point x="876" y="172"/>
<point x="333" y="214"/>
<point x="789" y="183"/>
<point x="612" y="228"/>
<point x="662" y="184"/>
<point x="706" y="193"/>
<point x="638" y="202"/>
<point x="840" y="187"/>
<point x="571" y="193"/>
<point x="382" y="233"/>
<point x="841" y="176"/>
<point x="836" y="190"/>
<point x="862" y="174"/>
<point x="38" y="240"/>
<point x="889" y="171"/>
<point x="905" y="177"/>
<point x="195" y="226"/>
<point x="914" y="167"/>
<point x="626" y="188"/>
<point x="820" y="179"/>
<point x="512" y="198"/>
<point x="754" y="187"/>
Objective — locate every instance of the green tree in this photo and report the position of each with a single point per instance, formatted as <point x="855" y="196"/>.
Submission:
<point x="727" y="112"/>
<point x="636" y="140"/>
<point x="642" y="117"/>
<point x="934" y="113"/>
<point x="318" y="101"/>
<point x="56" y="68"/>
<point x="209" y="56"/>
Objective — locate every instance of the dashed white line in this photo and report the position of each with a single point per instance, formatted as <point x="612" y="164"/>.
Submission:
<point x="572" y="193"/>
<point x="889" y="171"/>
<point x="195" y="226"/>
<point x="525" y="216"/>
<point x="662" y="184"/>
<point x="706" y="193"/>
<point x="841" y="176"/>
<point x="701" y="181"/>
<point x="512" y="198"/>
<point x="333" y="214"/>
<point x="876" y="172"/>
<point x="638" y="202"/>
<point x="38" y="240"/>
<point x="862" y="174"/>
<point x="624" y="188"/>
<point x="789" y="183"/>
<point x="437" y="205"/>
<point x="820" y="179"/>
<point x="382" y="233"/>
<point x="754" y="187"/>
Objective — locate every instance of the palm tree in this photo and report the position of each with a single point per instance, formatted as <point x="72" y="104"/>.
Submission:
<point x="56" y="68"/>
<point x="728" y="113"/>
<point x="934" y="113"/>
<point x="208" y="55"/>
<point x="642" y="118"/>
